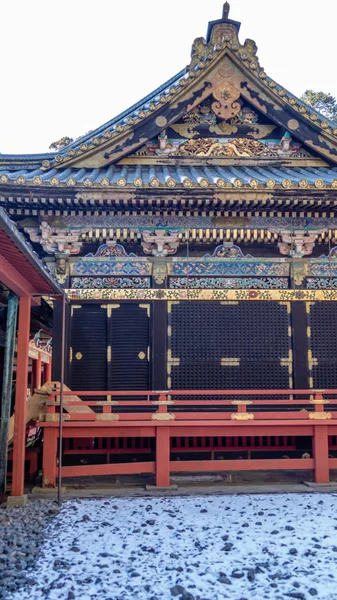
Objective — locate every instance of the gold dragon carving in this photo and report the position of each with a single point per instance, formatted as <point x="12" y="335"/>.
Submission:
<point x="240" y="147"/>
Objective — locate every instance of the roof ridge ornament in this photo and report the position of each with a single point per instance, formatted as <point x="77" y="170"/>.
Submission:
<point x="225" y="11"/>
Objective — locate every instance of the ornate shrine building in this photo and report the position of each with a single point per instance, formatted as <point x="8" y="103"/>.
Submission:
<point x="195" y="235"/>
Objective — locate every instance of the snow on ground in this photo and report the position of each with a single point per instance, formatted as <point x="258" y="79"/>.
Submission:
<point x="214" y="547"/>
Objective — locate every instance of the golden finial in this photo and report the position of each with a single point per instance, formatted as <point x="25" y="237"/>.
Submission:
<point x="225" y="11"/>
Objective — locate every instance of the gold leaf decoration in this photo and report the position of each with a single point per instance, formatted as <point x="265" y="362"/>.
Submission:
<point x="286" y="183"/>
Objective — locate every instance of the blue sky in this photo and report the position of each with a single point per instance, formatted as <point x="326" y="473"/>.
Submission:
<point x="69" y="66"/>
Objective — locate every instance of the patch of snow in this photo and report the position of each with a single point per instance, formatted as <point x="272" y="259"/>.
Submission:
<point x="215" y="547"/>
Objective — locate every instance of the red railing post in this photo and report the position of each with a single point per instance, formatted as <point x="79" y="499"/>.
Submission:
<point x="162" y="447"/>
<point x="321" y="454"/>
<point x="162" y="455"/>
<point x="49" y="460"/>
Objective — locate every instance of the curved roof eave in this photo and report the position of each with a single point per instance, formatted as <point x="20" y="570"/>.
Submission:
<point x="125" y="113"/>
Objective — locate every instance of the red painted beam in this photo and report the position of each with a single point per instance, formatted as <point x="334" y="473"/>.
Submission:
<point x="270" y="464"/>
<point x="121" y="394"/>
<point x="15" y="281"/>
<point x="189" y="429"/>
<point x="115" y="469"/>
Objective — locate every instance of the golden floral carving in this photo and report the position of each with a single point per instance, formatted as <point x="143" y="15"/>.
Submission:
<point x="241" y="402"/>
<point x="171" y="182"/>
<point x="320" y="416"/>
<point x="286" y="183"/>
<point x="203" y="183"/>
<point x="293" y="124"/>
<point x="186" y="294"/>
<point x="242" y="417"/>
<point x="226" y="105"/>
<point x="187" y="182"/>
<point x="241" y="147"/>
<point x="106" y="417"/>
<point x="163" y="417"/>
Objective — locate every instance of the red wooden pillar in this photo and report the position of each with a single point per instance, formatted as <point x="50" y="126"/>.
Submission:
<point x="47" y="371"/>
<point x="162" y="456"/>
<point x="321" y="454"/>
<point x="49" y="460"/>
<point x="19" y="446"/>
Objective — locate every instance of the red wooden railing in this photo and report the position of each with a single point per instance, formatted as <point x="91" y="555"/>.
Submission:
<point x="175" y="415"/>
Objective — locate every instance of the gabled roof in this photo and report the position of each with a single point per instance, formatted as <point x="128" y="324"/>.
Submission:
<point x="219" y="61"/>
<point x="219" y="65"/>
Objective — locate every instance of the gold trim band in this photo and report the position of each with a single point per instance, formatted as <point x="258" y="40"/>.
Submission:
<point x="221" y="295"/>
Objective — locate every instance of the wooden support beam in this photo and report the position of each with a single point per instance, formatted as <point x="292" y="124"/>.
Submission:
<point x="163" y="456"/>
<point x="47" y="371"/>
<point x="49" y="461"/>
<point x="15" y="281"/>
<point x="21" y="397"/>
<point x="7" y="382"/>
<point x="321" y="454"/>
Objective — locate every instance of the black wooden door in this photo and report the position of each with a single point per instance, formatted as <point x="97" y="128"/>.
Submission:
<point x="129" y="347"/>
<point x="88" y="352"/>
<point x="230" y="345"/>
<point x="322" y="338"/>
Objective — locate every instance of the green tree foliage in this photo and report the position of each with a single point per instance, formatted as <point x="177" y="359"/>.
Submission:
<point x="326" y="104"/>
<point x="64" y="141"/>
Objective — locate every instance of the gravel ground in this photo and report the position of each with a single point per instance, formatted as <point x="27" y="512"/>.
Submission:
<point x="22" y="532"/>
<point x="240" y="547"/>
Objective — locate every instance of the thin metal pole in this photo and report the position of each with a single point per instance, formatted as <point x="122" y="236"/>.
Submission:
<point x="59" y="487"/>
<point x="7" y="382"/>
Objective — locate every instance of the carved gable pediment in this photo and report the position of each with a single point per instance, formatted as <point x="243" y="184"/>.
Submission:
<point x="223" y="94"/>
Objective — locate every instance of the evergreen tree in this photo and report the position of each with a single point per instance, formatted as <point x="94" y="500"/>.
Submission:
<point x="326" y="104"/>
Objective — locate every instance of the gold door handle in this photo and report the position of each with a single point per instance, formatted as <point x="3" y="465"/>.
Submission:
<point x="141" y="355"/>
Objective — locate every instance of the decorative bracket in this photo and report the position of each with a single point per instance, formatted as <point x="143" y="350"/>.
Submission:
<point x="55" y="239"/>
<point x="296" y="243"/>
<point x="159" y="243"/>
